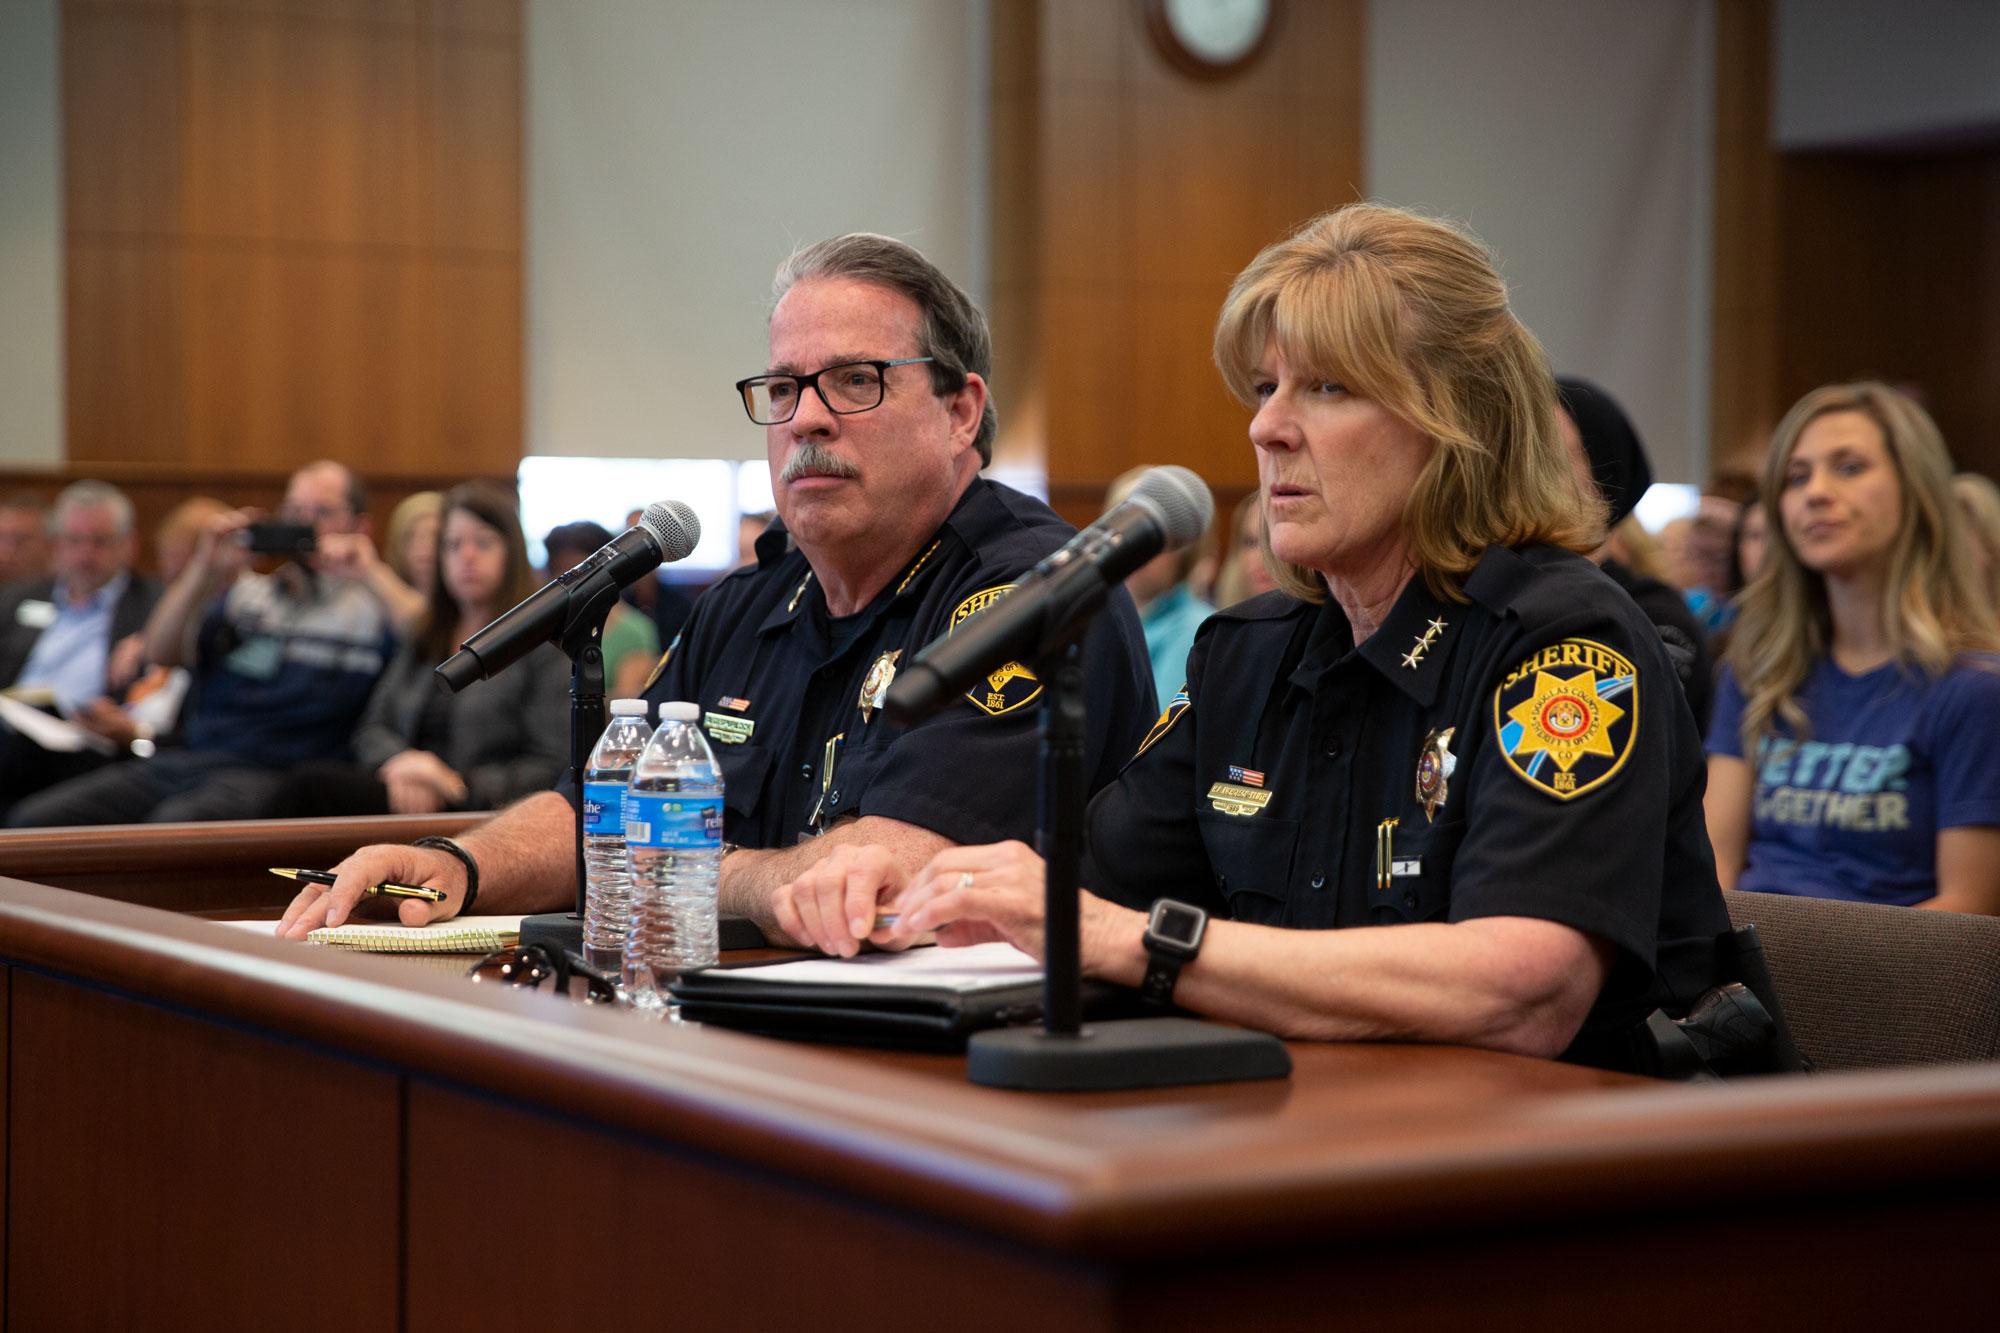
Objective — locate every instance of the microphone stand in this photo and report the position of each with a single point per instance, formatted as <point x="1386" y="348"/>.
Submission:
<point x="582" y="641"/>
<point x="1063" y="1054"/>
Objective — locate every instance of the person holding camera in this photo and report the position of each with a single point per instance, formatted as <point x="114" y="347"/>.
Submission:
<point x="283" y="664"/>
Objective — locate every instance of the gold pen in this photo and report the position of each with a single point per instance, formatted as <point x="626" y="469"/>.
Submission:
<point x="372" y="891"/>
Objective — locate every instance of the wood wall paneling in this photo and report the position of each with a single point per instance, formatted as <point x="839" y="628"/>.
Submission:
<point x="1834" y="266"/>
<point x="294" y="231"/>
<point x="1126" y="197"/>
<point x="144" y="1138"/>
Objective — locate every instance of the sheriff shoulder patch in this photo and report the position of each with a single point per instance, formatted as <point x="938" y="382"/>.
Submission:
<point x="1168" y="716"/>
<point x="1009" y="687"/>
<point x="1567" y="717"/>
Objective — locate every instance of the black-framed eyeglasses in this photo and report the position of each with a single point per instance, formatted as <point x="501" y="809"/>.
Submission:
<point x="538" y="968"/>
<point x="850" y="387"/>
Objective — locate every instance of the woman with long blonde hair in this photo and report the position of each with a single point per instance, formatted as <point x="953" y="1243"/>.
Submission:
<point x="1852" y="751"/>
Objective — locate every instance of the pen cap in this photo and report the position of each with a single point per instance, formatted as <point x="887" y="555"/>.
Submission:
<point x="628" y="707"/>
<point x="680" y="712"/>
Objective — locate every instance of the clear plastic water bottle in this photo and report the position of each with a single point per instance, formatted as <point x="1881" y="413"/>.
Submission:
<point x="673" y="836"/>
<point x="607" y="872"/>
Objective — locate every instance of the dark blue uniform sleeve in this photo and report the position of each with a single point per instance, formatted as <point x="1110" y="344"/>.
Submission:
<point x="971" y="775"/>
<point x="1145" y="841"/>
<point x="1570" y="789"/>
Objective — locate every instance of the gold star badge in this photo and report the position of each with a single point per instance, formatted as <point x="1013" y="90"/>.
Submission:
<point x="1566" y="717"/>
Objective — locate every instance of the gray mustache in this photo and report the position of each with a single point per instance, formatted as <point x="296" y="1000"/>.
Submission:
<point x="813" y="459"/>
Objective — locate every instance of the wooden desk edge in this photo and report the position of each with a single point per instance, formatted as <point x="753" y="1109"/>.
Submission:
<point x="993" y="1161"/>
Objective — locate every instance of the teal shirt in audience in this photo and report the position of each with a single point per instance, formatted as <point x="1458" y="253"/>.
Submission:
<point x="1170" y="622"/>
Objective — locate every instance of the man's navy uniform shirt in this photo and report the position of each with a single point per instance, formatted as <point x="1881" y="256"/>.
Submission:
<point x="1527" y="752"/>
<point x="782" y="686"/>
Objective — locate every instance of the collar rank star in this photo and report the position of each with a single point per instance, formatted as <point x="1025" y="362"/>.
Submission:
<point x="1567" y="718"/>
<point x="1243" y="794"/>
<point x="1424" y="643"/>
<point x="1435" y="765"/>
<point x="875" y="686"/>
<point x="725" y="729"/>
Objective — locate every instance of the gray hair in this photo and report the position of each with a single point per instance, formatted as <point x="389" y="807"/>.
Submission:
<point x="953" y="332"/>
<point x="86" y="494"/>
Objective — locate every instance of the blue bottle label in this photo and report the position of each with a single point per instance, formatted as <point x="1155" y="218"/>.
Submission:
<point x="677" y="823"/>
<point x="604" y="808"/>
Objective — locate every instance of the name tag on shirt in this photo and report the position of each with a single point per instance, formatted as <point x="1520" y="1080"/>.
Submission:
<point x="36" y="615"/>
<point x="256" y="659"/>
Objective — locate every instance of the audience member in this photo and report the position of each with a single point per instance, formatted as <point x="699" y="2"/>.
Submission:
<point x="1979" y="502"/>
<point x="631" y="645"/>
<point x="1605" y="450"/>
<point x="1697" y="555"/>
<point x="749" y="528"/>
<point x="154" y="695"/>
<point x="1169" y="611"/>
<point x="420" y="750"/>
<point x="388" y="571"/>
<point x="411" y="543"/>
<point x="1246" y="568"/>
<point x="57" y="632"/>
<point x="1851" y="754"/>
<point x="282" y="665"/>
<point x="667" y="606"/>
<point x="24" y="547"/>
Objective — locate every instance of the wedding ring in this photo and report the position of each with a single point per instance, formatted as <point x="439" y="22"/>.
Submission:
<point x="965" y="879"/>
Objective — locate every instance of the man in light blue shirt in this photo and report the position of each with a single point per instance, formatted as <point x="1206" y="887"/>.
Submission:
<point x="57" y="633"/>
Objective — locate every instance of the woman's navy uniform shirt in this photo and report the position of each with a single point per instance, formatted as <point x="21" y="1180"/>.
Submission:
<point x="782" y="686"/>
<point x="1527" y="752"/>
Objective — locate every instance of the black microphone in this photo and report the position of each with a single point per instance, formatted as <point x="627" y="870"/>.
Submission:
<point x="1167" y="509"/>
<point x="668" y="531"/>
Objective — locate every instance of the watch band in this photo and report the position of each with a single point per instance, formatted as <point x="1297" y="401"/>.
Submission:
<point x="1163" y="973"/>
<point x="465" y="859"/>
<point x="1166" y="955"/>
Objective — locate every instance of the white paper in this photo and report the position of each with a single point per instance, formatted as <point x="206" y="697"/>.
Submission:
<point x="973" y="968"/>
<point x="53" y="734"/>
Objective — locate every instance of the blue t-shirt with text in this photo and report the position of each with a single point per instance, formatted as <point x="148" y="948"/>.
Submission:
<point x="1889" y="758"/>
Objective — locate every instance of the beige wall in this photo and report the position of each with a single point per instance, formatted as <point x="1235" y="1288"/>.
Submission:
<point x="1574" y="137"/>
<point x="30" y="236"/>
<point x="677" y="152"/>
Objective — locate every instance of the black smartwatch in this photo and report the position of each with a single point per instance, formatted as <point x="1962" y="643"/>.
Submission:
<point x="1173" y="937"/>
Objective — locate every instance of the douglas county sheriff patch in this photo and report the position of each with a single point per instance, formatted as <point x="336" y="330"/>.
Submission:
<point x="1567" y="717"/>
<point x="1006" y="688"/>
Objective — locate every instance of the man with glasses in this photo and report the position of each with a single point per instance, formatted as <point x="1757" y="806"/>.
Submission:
<point x="877" y="421"/>
<point x="282" y="665"/>
<point x="57" y="633"/>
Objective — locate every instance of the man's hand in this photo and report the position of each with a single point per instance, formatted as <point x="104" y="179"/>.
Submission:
<point x="345" y="555"/>
<point x="422" y="867"/>
<point x="832" y="906"/>
<point x="108" y="720"/>
<point x="219" y="551"/>
<point x="124" y="662"/>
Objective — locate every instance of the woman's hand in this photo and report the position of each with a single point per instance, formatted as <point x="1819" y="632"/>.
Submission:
<point x="973" y="895"/>
<point x="420" y="783"/>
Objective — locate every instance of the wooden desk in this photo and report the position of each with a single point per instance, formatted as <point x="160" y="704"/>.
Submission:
<point x="213" y="1129"/>
<point x="218" y="869"/>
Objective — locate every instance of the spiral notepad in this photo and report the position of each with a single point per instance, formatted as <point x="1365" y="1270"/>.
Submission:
<point x="465" y="934"/>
